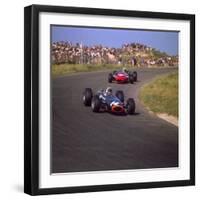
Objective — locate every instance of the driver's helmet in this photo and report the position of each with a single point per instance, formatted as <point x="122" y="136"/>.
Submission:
<point x="109" y="91"/>
<point x="124" y="69"/>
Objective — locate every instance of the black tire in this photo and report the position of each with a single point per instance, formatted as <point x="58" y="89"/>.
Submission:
<point x="110" y="78"/>
<point x="130" y="106"/>
<point x="120" y="95"/>
<point x="135" y="76"/>
<point x="87" y="96"/>
<point x="96" y="104"/>
<point x="131" y="78"/>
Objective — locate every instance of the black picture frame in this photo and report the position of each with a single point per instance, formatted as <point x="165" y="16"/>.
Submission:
<point x="31" y="98"/>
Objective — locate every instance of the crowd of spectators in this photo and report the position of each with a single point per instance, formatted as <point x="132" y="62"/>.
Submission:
<point x="133" y="54"/>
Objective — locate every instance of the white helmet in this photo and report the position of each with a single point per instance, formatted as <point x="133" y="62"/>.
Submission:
<point x="124" y="69"/>
<point x="109" y="91"/>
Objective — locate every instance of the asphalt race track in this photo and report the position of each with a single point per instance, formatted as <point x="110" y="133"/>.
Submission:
<point x="85" y="141"/>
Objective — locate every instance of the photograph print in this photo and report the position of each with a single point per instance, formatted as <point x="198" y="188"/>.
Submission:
<point x="109" y="99"/>
<point x="114" y="99"/>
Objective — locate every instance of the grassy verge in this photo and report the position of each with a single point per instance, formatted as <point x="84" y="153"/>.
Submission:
<point x="64" y="69"/>
<point x="161" y="95"/>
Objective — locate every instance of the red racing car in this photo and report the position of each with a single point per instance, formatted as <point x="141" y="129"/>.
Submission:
<point x="122" y="76"/>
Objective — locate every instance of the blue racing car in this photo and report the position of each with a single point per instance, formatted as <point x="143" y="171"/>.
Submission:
<point x="104" y="100"/>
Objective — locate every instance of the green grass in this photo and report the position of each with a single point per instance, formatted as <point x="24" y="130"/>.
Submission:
<point x="64" y="69"/>
<point x="161" y="95"/>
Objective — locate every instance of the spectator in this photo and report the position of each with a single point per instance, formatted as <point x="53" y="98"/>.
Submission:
<point x="134" y="54"/>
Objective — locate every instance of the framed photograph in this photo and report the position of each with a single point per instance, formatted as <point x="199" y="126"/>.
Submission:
<point x="109" y="99"/>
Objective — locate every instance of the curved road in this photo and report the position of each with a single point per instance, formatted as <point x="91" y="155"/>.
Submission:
<point x="87" y="141"/>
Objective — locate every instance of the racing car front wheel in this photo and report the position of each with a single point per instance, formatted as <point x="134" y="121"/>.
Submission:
<point x="120" y="95"/>
<point x="110" y="78"/>
<point x="96" y="104"/>
<point x="87" y="96"/>
<point x="131" y="78"/>
<point x="130" y="106"/>
<point x="135" y="76"/>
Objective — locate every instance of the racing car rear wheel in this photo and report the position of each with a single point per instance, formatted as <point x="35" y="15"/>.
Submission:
<point x="87" y="96"/>
<point x="96" y="104"/>
<point x="135" y="76"/>
<point x="120" y="95"/>
<point x="110" y="78"/>
<point x="131" y="78"/>
<point x="130" y="106"/>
